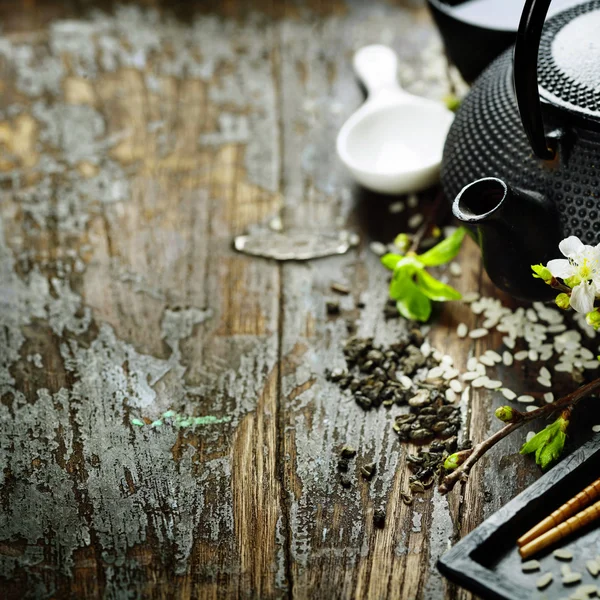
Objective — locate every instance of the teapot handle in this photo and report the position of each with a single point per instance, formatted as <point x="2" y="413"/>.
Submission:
<point x="525" y="75"/>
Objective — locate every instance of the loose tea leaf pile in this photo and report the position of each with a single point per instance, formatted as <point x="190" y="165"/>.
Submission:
<point x="401" y="374"/>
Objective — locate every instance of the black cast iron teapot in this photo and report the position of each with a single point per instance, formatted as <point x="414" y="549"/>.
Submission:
<point x="522" y="158"/>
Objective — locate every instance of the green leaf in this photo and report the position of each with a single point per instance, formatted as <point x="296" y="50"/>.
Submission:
<point x="552" y="450"/>
<point x="401" y="280"/>
<point x="445" y="251"/>
<point x="434" y="289"/>
<point x="391" y="260"/>
<point x="540" y="438"/>
<point x="541" y="272"/>
<point x="547" y="444"/>
<point x="411" y="302"/>
<point x="572" y="281"/>
<point x="402" y="241"/>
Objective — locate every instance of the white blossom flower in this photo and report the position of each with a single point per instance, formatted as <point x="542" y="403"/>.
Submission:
<point x="582" y="268"/>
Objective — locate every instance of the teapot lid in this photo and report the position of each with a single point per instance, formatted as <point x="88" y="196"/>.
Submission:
<point x="569" y="60"/>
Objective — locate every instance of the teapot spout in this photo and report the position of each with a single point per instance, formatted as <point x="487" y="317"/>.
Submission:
<point x="515" y="229"/>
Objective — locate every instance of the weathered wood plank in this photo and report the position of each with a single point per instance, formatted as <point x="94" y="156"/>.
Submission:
<point x="121" y="288"/>
<point x="136" y="142"/>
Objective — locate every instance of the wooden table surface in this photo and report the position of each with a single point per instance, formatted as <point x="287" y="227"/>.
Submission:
<point x="135" y="143"/>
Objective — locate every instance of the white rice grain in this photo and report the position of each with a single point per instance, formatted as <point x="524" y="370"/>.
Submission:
<point x="456" y="386"/>
<point x="455" y="269"/>
<point x="492" y="384"/>
<point x="525" y="399"/>
<point x="480" y="381"/>
<point x="478" y="333"/>
<point x="508" y="394"/>
<point x="470" y="297"/>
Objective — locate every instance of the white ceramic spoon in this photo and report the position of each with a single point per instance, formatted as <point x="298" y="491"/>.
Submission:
<point x="393" y="143"/>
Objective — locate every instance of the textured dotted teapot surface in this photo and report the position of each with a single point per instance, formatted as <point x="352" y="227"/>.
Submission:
<point x="569" y="59"/>
<point x="487" y="140"/>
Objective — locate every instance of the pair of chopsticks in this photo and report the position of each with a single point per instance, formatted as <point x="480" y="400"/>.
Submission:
<point x="563" y="521"/>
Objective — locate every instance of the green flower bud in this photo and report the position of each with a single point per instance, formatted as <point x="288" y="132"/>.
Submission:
<point x="541" y="272"/>
<point x="452" y="462"/>
<point x="505" y="413"/>
<point x="572" y="281"/>
<point x="563" y="301"/>
<point x="593" y="319"/>
<point x="402" y="242"/>
<point x="452" y="102"/>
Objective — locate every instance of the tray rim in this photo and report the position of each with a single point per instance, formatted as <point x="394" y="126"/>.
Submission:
<point x="458" y="566"/>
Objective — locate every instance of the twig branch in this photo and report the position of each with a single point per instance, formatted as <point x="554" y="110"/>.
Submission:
<point x="461" y="473"/>
<point x="430" y="221"/>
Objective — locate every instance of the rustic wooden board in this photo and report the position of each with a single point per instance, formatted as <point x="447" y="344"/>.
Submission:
<point x="135" y="143"/>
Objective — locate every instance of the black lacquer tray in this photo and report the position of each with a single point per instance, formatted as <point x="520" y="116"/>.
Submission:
<point x="487" y="561"/>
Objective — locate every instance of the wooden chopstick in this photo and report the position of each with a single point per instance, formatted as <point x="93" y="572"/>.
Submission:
<point x="587" y="495"/>
<point x="563" y="529"/>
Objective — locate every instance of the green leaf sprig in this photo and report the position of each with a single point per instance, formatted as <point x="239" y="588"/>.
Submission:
<point x="548" y="444"/>
<point x="412" y="287"/>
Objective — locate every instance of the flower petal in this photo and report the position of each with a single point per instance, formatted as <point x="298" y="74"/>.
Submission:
<point x="582" y="297"/>
<point x="570" y="246"/>
<point x="560" y="267"/>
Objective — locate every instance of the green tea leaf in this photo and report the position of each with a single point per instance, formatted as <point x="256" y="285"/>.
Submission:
<point x="402" y="278"/>
<point x="541" y="272"/>
<point x="391" y="260"/>
<point x="402" y="242"/>
<point x="540" y="438"/>
<point x="547" y="444"/>
<point x="434" y="289"/>
<point x="551" y="451"/>
<point x="411" y="302"/>
<point x="445" y="251"/>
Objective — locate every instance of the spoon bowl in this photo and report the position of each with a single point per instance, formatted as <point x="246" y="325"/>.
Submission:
<point x="393" y="144"/>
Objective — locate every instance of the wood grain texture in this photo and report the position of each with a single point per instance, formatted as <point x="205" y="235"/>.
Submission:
<point x="136" y="140"/>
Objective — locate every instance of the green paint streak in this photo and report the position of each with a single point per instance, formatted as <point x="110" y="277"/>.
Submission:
<point x="211" y="420"/>
<point x="183" y="420"/>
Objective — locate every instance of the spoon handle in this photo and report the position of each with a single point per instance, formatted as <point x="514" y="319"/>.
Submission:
<point x="376" y="66"/>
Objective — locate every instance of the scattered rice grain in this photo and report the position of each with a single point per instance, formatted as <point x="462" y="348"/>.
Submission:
<point x="544" y="581"/>
<point x="415" y="220"/>
<point x="488" y="361"/>
<point x="526" y="399"/>
<point x="593" y="567"/>
<point x="406" y="382"/>
<point x="562" y="554"/>
<point x="508" y="394"/>
<point x="492" y="384"/>
<point x="450" y="395"/>
<point x="478" y="333"/>
<point x="455" y="269"/>
<point x="507" y="358"/>
<point x="456" y="386"/>
<point x="480" y="381"/>
<point x="530" y="565"/>
<point x="470" y="297"/>
<point x="378" y="248"/>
